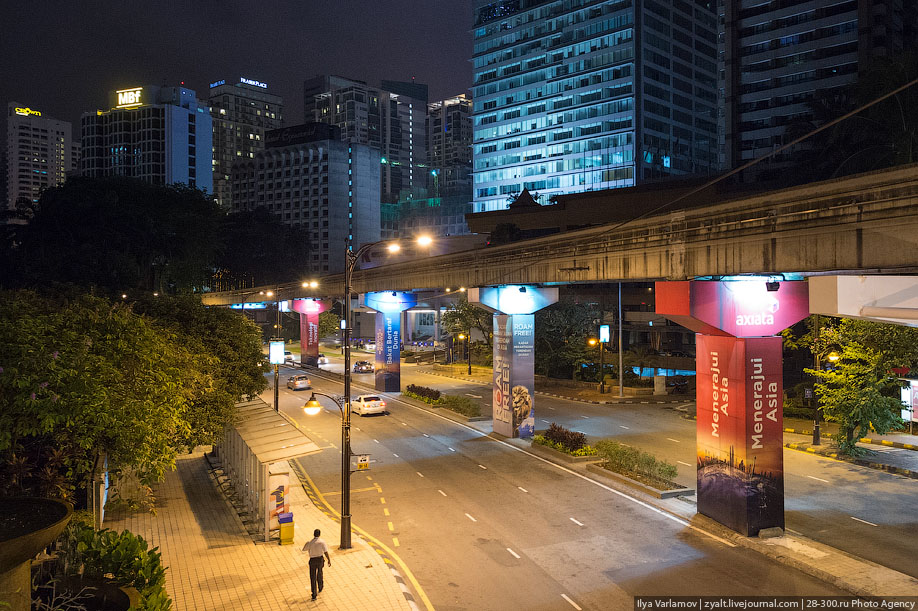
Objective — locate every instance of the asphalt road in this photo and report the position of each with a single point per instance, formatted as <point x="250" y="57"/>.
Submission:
<point x="483" y="525"/>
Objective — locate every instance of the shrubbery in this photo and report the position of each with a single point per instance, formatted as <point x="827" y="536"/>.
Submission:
<point x="571" y="440"/>
<point x="462" y="405"/>
<point x="422" y="393"/>
<point x="625" y="459"/>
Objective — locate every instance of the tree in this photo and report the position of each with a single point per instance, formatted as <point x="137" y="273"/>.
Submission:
<point x="82" y="378"/>
<point x="117" y="235"/>
<point x="227" y="349"/>
<point x="561" y="333"/>
<point x="861" y="393"/>
<point x="329" y="324"/>
<point x="463" y="316"/>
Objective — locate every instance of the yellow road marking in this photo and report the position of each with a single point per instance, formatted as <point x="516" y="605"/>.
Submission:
<point x="394" y="541"/>
<point x="385" y="511"/>
<point x="382" y="500"/>
<point x="401" y="563"/>
<point x="354" y="490"/>
<point x="391" y="527"/>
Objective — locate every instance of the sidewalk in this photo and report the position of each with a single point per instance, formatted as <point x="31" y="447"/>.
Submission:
<point x="215" y="564"/>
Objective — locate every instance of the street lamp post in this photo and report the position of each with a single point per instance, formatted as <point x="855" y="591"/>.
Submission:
<point x="312" y="408"/>
<point x="468" y="348"/>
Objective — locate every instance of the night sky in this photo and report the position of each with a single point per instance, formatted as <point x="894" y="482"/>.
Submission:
<point x="62" y="57"/>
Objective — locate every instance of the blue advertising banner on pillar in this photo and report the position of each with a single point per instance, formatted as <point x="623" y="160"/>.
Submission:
<point x="389" y="306"/>
<point x="388" y="351"/>
<point x="514" y="384"/>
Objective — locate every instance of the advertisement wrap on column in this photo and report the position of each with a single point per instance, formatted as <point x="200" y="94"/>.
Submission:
<point x="739" y="427"/>
<point x="514" y="388"/>
<point x="309" y="310"/>
<point x="388" y="351"/>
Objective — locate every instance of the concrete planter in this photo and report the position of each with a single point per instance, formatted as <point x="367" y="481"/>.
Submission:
<point x="553" y="454"/>
<point x="660" y="494"/>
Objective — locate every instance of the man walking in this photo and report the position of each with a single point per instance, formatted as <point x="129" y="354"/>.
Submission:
<point x="316" y="547"/>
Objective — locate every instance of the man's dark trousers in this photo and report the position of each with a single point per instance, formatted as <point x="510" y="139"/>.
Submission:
<point x="315" y="574"/>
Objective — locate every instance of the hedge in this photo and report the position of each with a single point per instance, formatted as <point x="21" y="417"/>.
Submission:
<point x="621" y="458"/>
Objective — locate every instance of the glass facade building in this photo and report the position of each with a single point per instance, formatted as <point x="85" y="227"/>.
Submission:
<point x="580" y="95"/>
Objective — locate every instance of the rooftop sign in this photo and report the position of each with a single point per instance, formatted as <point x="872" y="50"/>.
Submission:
<point x="25" y="112"/>
<point x="249" y="81"/>
<point x="128" y="98"/>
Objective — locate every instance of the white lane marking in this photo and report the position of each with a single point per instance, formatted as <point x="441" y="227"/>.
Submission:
<point x="471" y="518"/>
<point x="864" y="521"/>
<point x="576" y="522"/>
<point x="585" y="417"/>
<point x="394" y="454"/>
<point x="622" y="426"/>
<point x="357" y="428"/>
<point x="573" y="604"/>
<point x="403" y="424"/>
<point x="425" y="434"/>
<point x="683" y="463"/>
<point x="546" y="421"/>
<point x="419" y="473"/>
<point x="441" y="492"/>
<point x="376" y="440"/>
<point x="483" y="467"/>
<point x="675" y="440"/>
<point x="791" y="530"/>
<point x="818" y="479"/>
<point x="523" y="489"/>
<point x="513" y="553"/>
<point x="551" y="408"/>
<point x="640" y="503"/>
<point x="468" y="394"/>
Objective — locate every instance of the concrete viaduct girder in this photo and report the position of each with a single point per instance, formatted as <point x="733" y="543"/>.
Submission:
<point x="864" y="223"/>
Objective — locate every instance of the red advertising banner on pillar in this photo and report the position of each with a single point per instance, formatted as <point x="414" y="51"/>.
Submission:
<point x="739" y="429"/>
<point x="309" y="310"/>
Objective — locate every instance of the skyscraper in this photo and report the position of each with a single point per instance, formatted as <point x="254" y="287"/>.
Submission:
<point x="39" y="153"/>
<point x="391" y="119"/>
<point x="308" y="177"/>
<point x="449" y="140"/>
<point x="781" y="56"/>
<point x="585" y="95"/>
<point x="161" y="135"/>
<point x="242" y="111"/>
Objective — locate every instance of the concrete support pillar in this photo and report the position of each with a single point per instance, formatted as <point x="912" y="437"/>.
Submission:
<point x="389" y="306"/>
<point x="739" y="435"/>
<point x="514" y="353"/>
<point x="309" y="310"/>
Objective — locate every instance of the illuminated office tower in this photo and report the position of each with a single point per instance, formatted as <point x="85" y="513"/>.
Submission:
<point x="573" y="96"/>
<point x="391" y="119"/>
<point x="780" y="57"/>
<point x="161" y="135"/>
<point x="309" y="178"/>
<point x="39" y="153"/>
<point x="242" y="111"/>
<point x="449" y="140"/>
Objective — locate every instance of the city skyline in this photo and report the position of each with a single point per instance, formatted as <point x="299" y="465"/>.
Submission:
<point x="101" y="46"/>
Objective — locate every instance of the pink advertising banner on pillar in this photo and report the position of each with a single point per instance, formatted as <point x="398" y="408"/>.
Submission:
<point x="309" y="310"/>
<point x="739" y="430"/>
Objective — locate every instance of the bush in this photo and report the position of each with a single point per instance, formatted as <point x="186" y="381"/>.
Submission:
<point x="625" y="459"/>
<point x="571" y="440"/>
<point x="428" y="395"/>
<point x="462" y="405"/>
<point x="125" y="556"/>
<point x="586" y="450"/>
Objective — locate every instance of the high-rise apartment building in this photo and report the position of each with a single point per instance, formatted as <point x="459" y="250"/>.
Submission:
<point x="242" y="111"/>
<point x="308" y="177"/>
<point x="390" y="118"/>
<point x="582" y="95"/>
<point x="161" y="135"/>
<point x="449" y="140"/>
<point x="779" y="56"/>
<point x="39" y="153"/>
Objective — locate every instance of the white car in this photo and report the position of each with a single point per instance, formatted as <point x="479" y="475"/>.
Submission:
<point x="288" y="357"/>
<point x="368" y="404"/>
<point x="323" y="360"/>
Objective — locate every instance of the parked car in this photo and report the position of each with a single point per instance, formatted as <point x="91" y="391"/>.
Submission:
<point x="299" y="382"/>
<point x="363" y="367"/>
<point x="368" y="404"/>
<point x="323" y="360"/>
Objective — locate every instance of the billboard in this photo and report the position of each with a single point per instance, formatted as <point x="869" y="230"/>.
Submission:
<point x="514" y="383"/>
<point x="388" y="351"/>
<point x="740" y="468"/>
<point x="276" y="352"/>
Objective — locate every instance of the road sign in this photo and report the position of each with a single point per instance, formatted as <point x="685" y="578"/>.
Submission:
<point x="604" y="333"/>
<point x="363" y="462"/>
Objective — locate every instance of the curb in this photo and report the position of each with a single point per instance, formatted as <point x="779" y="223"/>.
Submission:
<point x="855" y="461"/>
<point x="876" y="442"/>
<point x="654" y="492"/>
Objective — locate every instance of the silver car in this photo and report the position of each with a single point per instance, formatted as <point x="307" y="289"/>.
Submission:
<point x="299" y="382"/>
